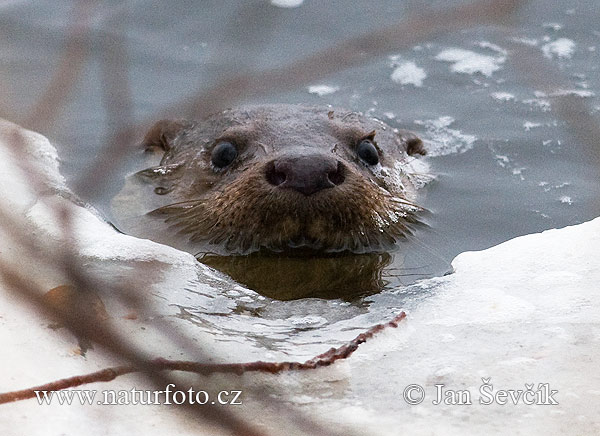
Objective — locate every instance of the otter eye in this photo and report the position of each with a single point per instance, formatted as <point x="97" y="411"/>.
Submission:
<point x="367" y="152"/>
<point x="223" y="154"/>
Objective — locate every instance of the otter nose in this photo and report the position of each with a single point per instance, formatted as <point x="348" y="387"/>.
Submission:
<point x="306" y="174"/>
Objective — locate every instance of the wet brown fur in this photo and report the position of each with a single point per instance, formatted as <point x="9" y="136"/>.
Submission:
<point x="237" y="208"/>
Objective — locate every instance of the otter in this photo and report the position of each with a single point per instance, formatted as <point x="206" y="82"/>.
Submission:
<point x="299" y="181"/>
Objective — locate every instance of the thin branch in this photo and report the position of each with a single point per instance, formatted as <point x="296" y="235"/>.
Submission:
<point x="70" y="66"/>
<point x="160" y="364"/>
<point x="349" y="53"/>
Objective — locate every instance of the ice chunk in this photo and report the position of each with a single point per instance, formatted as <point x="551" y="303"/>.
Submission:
<point x="322" y="90"/>
<point x="561" y="48"/>
<point x="443" y="140"/>
<point x="287" y="3"/>
<point x="470" y="62"/>
<point x="502" y="96"/>
<point x="408" y="73"/>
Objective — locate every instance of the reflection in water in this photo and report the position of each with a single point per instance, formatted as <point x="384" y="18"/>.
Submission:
<point x="288" y="277"/>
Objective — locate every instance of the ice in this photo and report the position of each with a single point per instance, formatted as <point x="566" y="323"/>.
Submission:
<point x="525" y="311"/>
<point x="575" y="92"/>
<point x="521" y="312"/>
<point x="502" y="96"/>
<point x="540" y="103"/>
<point x="531" y="42"/>
<point x="287" y="3"/>
<point x="493" y="47"/>
<point x="408" y="73"/>
<point x="554" y="26"/>
<point x="95" y="238"/>
<point x="441" y="140"/>
<point x="322" y="90"/>
<point x="470" y="62"/>
<point x="528" y="125"/>
<point x="561" y="48"/>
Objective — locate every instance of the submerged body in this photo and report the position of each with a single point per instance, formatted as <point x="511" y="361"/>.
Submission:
<point x="276" y="178"/>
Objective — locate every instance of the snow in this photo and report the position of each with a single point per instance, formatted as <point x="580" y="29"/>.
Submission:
<point x="287" y="3"/>
<point x="408" y="73"/>
<point x="469" y="62"/>
<point x="528" y="125"/>
<point x="531" y="42"/>
<point x="442" y="140"/>
<point x="95" y="238"/>
<point x="322" y="90"/>
<point x="561" y="48"/>
<point x="525" y="311"/>
<point x="554" y="26"/>
<point x="575" y="92"/>
<point x="502" y="96"/>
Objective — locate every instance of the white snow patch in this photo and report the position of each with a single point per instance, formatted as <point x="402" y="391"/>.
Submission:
<point x="322" y="90"/>
<point x="565" y="199"/>
<point x="287" y="3"/>
<point x="442" y="140"/>
<point x="519" y="172"/>
<point x="584" y="93"/>
<point x="418" y="171"/>
<point x="494" y="47"/>
<point x="528" y="125"/>
<point x="576" y="92"/>
<point x="539" y="103"/>
<point x="469" y="62"/>
<point x="531" y="42"/>
<point x="502" y="160"/>
<point x="554" y="26"/>
<point x="561" y="48"/>
<point x="499" y="304"/>
<point x="502" y="96"/>
<point x="311" y="321"/>
<point x="408" y="73"/>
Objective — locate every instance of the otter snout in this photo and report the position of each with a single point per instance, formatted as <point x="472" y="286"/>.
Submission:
<point x="307" y="173"/>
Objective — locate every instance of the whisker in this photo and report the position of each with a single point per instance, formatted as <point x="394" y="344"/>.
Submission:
<point x="178" y="206"/>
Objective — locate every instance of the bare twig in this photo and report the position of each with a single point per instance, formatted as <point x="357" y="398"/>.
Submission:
<point x="75" y="53"/>
<point x="160" y="364"/>
<point x="352" y="52"/>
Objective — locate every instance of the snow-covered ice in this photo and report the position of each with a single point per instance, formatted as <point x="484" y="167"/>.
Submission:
<point x="408" y="73"/>
<point x="287" y="3"/>
<point x="322" y="90"/>
<point x="442" y="140"/>
<point x="470" y="62"/>
<point x="526" y="311"/>
<point x="562" y="48"/>
<point x="502" y="96"/>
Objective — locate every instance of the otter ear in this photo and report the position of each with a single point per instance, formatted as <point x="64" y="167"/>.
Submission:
<point x="162" y="134"/>
<point x="413" y="144"/>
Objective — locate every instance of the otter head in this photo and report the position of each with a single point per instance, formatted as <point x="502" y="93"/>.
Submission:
<point x="284" y="177"/>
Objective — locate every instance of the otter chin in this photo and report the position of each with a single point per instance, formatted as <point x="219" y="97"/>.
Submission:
<point x="288" y="179"/>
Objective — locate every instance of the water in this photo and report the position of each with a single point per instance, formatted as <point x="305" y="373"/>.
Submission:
<point x="506" y="163"/>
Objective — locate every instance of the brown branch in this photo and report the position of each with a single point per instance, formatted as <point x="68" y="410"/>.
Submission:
<point x="160" y="364"/>
<point x="70" y="66"/>
<point x="349" y="53"/>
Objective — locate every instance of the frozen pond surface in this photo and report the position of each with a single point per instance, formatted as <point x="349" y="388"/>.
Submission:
<point x="506" y="165"/>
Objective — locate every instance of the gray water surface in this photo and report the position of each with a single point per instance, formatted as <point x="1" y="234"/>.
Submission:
<point x="505" y="162"/>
